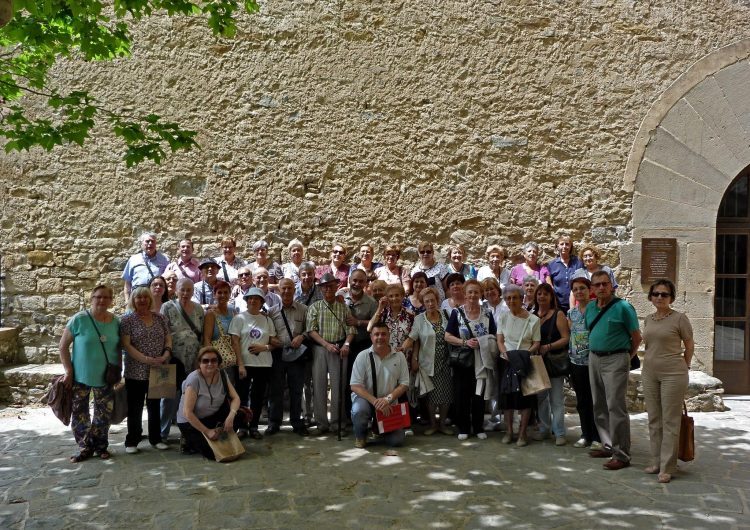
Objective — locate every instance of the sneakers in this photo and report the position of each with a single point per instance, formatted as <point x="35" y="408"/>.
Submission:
<point x="360" y="443"/>
<point x="161" y="446"/>
<point x="508" y="438"/>
<point x="560" y="441"/>
<point x="522" y="441"/>
<point x="482" y="435"/>
<point x="596" y="446"/>
<point x="408" y="432"/>
<point x="131" y="449"/>
<point x="581" y="443"/>
<point x="462" y="437"/>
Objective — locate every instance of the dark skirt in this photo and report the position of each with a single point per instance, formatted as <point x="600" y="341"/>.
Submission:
<point x="513" y="400"/>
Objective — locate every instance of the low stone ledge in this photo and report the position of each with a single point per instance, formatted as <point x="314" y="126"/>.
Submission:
<point x="703" y="394"/>
<point x="26" y="384"/>
<point x="9" y="345"/>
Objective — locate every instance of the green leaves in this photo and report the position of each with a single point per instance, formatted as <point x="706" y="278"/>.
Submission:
<point x="43" y="31"/>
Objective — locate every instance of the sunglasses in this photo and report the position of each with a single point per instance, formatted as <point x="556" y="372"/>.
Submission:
<point x="425" y="252"/>
<point x="212" y="360"/>
<point x="244" y="274"/>
<point x="338" y="252"/>
<point x="660" y="294"/>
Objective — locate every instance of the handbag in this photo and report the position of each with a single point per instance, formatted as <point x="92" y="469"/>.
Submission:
<point x="537" y="380"/>
<point x="112" y="372"/>
<point x="223" y="345"/>
<point x="556" y="362"/>
<point x="461" y="356"/>
<point x="686" y="448"/>
<point x="162" y="381"/>
<point x="119" y="404"/>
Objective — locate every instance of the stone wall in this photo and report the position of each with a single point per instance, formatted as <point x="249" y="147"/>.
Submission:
<point x="481" y="120"/>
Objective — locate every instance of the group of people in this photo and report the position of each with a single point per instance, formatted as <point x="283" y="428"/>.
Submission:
<point x="371" y="335"/>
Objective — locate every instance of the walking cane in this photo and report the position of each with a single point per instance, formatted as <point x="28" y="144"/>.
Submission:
<point x="341" y="391"/>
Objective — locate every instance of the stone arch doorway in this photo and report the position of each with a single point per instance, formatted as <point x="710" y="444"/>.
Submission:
<point x="732" y="311"/>
<point x="692" y="144"/>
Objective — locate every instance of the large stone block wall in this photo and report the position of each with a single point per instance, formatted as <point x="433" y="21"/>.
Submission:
<point x="474" y="120"/>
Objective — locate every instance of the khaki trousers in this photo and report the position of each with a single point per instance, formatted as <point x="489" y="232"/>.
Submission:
<point x="325" y="364"/>
<point x="609" y="385"/>
<point x="664" y="394"/>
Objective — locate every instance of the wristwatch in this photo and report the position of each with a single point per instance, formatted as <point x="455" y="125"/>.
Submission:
<point x="389" y="397"/>
<point x="347" y="344"/>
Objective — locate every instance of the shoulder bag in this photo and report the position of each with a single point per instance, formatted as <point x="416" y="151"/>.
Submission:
<point x="461" y="356"/>
<point x="112" y="372"/>
<point x="223" y="345"/>
<point x="289" y="354"/>
<point x="556" y="362"/>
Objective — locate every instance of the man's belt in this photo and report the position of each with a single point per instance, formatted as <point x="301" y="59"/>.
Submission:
<point x="606" y="353"/>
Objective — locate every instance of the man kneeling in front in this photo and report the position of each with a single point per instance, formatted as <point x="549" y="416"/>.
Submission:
<point x="379" y="391"/>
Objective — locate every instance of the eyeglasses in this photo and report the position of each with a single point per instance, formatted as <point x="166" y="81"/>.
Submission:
<point x="425" y="252"/>
<point x="244" y="274"/>
<point x="600" y="284"/>
<point x="212" y="360"/>
<point x="660" y="294"/>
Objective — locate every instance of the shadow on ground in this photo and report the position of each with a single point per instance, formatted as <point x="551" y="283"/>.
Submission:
<point x="434" y="482"/>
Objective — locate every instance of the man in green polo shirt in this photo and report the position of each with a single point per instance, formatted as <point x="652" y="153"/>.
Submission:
<point x="613" y="340"/>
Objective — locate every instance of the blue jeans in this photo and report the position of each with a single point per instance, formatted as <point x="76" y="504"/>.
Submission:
<point x="552" y="408"/>
<point x="361" y="417"/>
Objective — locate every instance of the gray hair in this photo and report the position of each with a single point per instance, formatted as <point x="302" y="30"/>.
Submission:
<point x="307" y="266"/>
<point x="184" y="281"/>
<point x="295" y="243"/>
<point x="513" y="288"/>
<point x="530" y="278"/>
<point x="261" y="243"/>
<point x="146" y="235"/>
<point x="531" y="244"/>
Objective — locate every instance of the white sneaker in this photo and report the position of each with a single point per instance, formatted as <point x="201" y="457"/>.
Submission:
<point x="161" y="446"/>
<point x="596" y="446"/>
<point x="580" y="443"/>
<point x="408" y="432"/>
<point x="463" y="437"/>
<point x="131" y="450"/>
<point x="482" y="435"/>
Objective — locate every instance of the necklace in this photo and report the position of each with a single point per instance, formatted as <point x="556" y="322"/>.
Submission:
<point x="208" y="386"/>
<point x="655" y="317"/>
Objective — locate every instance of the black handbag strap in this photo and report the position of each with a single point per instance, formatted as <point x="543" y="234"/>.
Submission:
<point x="374" y="376"/>
<point x="466" y="321"/>
<point x="309" y="297"/>
<point x="189" y="321"/>
<point x="146" y="261"/>
<point x="553" y="318"/>
<point x="343" y="327"/>
<point x="601" y="313"/>
<point x="286" y="323"/>
<point x="93" y="323"/>
<point x="224" y="269"/>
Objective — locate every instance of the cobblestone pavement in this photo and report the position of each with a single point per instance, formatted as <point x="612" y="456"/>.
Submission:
<point x="286" y="481"/>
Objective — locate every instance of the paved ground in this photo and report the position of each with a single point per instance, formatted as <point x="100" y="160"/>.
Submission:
<point x="434" y="482"/>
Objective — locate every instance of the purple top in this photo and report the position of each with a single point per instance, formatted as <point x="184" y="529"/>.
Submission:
<point x="518" y="273"/>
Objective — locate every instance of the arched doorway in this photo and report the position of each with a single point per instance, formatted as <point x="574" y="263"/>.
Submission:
<point x="693" y="147"/>
<point x="731" y="307"/>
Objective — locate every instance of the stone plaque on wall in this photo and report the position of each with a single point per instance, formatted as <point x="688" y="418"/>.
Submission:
<point x="658" y="259"/>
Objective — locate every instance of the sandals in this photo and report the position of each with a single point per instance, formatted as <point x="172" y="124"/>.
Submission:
<point x="664" y="478"/>
<point x="80" y="456"/>
<point x="651" y="470"/>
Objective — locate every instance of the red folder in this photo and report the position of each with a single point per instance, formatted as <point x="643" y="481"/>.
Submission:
<point x="397" y="419"/>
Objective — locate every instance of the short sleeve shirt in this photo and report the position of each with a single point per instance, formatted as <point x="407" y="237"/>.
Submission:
<point x="209" y="397"/>
<point x="579" y="337"/>
<point x="140" y="269"/>
<point x="185" y="343"/>
<point x="87" y="356"/>
<point x="484" y="325"/>
<point x="253" y="330"/>
<point x="613" y="330"/>
<point x="149" y="340"/>
<point x="435" y="275"/>
<point x="390" y="372"/>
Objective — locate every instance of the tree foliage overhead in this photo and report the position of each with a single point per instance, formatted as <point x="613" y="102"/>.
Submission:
<point x="43" y="31"/>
